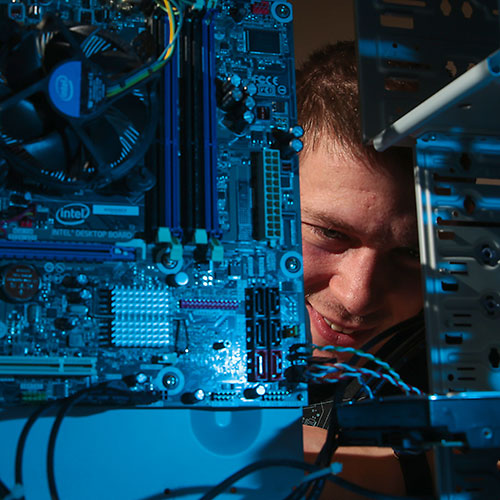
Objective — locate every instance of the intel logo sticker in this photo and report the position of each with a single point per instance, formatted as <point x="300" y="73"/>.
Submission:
<point x="64" y="88"/>
<point x="65" y="85"/>
<point x="72" y="214"/>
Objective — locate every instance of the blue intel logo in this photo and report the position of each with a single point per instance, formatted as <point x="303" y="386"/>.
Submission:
<point x="64" y="88"/>
<point x="73" y="214"/>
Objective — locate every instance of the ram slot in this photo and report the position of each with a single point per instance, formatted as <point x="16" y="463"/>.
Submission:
<point x="171" y="182"/>
<point x="210" y="125"/>
<point x="164" y="199"/>
<point x="197" y="125"/>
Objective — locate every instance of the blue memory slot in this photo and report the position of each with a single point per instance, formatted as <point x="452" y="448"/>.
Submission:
<point x="171" y="138"/>
<point x="210" y="125"/>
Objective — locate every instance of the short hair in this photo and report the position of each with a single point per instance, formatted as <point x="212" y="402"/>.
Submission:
<point x="328" y="106"/>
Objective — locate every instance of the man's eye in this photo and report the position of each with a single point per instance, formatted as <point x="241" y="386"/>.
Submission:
<point x="324" y="232"/>
<point x="413" y="253"/>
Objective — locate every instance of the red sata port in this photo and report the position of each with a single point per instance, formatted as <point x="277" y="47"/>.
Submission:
<point x="260" y="8"/>
<point x="276" y="362"/>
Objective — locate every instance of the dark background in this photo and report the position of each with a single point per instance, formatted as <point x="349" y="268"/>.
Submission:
<point x="318" y="22"/>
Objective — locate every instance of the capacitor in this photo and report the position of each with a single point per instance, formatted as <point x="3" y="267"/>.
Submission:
<point x="231" y="99"/>
<point x="294" y="146"/>
<point x="249" y="102"/>
<point x="221" y="344"/>
<point x="238" y="123"/>
<point x="82" y="279"/>
<point x="199" y="395"/>
<point x="85" y="294"/>
<point x="254" y="392"/>
<point x="288" y="141"/>
<point x="296" y="131"/>
<point x="250" y="89"/>
<point x="78" y="281"/>
<point x="178" y="280"/>
<point x="238" y="13"/>
<point x="193" y="397"/>
<point x="136" y="378"/>
<point x="231" y="81"/>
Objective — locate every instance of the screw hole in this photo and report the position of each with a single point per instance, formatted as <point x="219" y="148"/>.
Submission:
<point x="469" y="205"/>
<point x="465" y="161"/>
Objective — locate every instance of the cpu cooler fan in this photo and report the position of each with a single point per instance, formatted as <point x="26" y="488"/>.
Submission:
<point x="58" y="129"/>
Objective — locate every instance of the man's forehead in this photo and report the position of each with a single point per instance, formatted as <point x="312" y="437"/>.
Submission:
<point x="333" y="149"/>
<point x="346" y="196"/>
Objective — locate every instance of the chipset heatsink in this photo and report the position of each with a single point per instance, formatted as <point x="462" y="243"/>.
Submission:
<point x="141" y="317"/>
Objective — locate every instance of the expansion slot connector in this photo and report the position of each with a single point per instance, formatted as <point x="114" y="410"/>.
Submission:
<point x="48" y="366"/>
<point x="43" y="250"/>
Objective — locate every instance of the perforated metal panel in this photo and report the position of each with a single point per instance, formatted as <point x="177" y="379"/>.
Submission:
<point x="409" y="49"/>
<point x="459" y="188"/>
<point x="427" y="77"/>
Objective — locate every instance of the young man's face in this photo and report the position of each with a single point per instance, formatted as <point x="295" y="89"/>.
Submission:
<point x="360" y="244"/>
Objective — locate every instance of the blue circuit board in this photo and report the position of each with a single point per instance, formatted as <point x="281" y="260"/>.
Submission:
<point x="155" y="239"/>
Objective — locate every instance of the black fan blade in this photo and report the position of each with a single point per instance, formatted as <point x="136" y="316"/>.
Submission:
<point x="105" y="136"/>
<point x="23" y="65"/>
<point x="110" y="53"/>
<point x="134" y="106"/>
<point x="21" y="121"/>
<point x="54" y="152"/>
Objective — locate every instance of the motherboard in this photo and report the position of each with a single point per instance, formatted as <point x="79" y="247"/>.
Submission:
<point x="150" y="223"/>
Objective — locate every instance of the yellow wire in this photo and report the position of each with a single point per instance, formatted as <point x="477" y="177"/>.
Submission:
<point x="171" y="29"/>
<point x="143" y="74"/>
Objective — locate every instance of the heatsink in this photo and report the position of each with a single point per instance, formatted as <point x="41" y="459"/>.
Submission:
<point x="141" y="317"/>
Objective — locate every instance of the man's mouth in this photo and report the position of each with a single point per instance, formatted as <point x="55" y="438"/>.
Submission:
<point x="337" y="328"/>
<point x="327" y="332"/>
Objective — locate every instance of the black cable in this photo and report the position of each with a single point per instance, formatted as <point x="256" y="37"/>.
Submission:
<point x="21" y="442"/>
<point x="326" y="453"/>
<point x="262" y="464"/>
<point x="65" y="407"/>
<point x="4" y="491"/>
<point x="399" y="335"/>
<point x="403" y="337"/>
<point x="398" y="330"/>
<point x="347" y="485"/>
<point x="115" y="391"/>
<point x="328" y="450"/>
<point x="404" y="344"/>
<point x="67" y="404"/>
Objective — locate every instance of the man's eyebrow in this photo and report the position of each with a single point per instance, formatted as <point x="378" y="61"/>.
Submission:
<point x="329" y="221"/>
<point x="326" y="220"/>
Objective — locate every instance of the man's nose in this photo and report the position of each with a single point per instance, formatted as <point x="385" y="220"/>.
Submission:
<point x="360" y="281"/>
